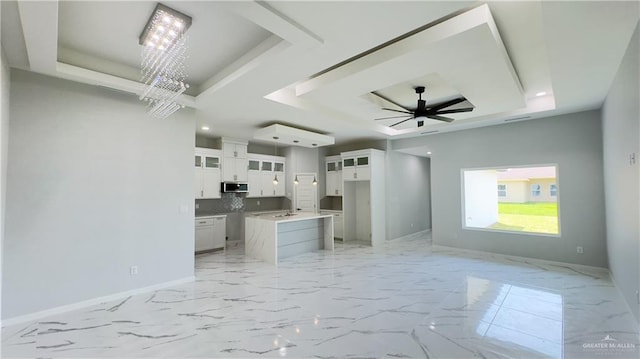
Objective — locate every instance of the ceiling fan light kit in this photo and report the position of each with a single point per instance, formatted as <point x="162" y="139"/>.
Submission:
<point x="422" y="112"/>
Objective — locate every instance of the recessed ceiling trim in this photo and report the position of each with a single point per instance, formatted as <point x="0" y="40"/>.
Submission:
<point x="479" y="16"/>
<point x="257" y="56"/>
<point x="277" y="23"/>
<point x="40" y="29"/>
<point x="390" y="42"/>
<point x="91" y="77"/>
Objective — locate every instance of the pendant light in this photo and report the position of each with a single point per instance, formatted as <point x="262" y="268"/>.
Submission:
<point x="315" y="183"/>
<point x="295" y="180"/>
<point x="275" y="177"/>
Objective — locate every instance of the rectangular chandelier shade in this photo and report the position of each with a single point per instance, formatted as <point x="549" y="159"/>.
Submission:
<point x="161" y="23"/>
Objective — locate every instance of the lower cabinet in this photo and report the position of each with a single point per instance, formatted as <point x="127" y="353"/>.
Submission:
<point x="338" y="226"/>
<point x="210" y="233"/>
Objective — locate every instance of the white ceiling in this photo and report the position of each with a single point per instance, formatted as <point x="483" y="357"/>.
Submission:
<point x="258" y="63"/>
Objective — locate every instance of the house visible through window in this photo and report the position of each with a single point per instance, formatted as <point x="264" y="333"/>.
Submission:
<point x="535" y="190"/>
<point x="529" y="205"/>
<point x="502" y="190"/>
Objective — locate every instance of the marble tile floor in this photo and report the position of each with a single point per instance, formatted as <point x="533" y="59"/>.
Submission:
<point x="404" y="300"/>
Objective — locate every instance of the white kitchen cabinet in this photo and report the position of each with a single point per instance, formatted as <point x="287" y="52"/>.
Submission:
<point x="363" y="198"/>
<point x="210" y="233"/>
<point x="338" y="224"/>
<point x="234" y="149"/>
<point x="253" y="177"/>
<point x="333" y="178"/>
<point x="207" y="173"/>
<point x="235" y="161"/>
<point x="262" y="171"/>
<point x="279" y="170"/>
<point x="356" y="168"/>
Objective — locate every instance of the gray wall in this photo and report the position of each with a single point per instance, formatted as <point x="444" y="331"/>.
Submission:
<point x="620" y="129"/>
<point x="572" y="141"/>
<point x="357" y="145"/>
<point x="4" y="146"/>
<point x="408" y="194"/>
<point x="94" y="186"/>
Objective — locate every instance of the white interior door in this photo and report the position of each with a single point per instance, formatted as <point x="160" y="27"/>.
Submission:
<point x="306" y="193"/>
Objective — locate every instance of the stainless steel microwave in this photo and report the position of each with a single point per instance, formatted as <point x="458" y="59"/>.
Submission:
<point x="235" y="187"/>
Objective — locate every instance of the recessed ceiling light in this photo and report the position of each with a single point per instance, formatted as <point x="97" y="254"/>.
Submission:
<point x="205" y="128"/>
<point x="541" y="93"/>
<point x="429" y="152"/>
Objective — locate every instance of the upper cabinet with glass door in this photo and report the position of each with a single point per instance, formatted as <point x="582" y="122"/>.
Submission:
<point x="207" y="173"/>
<point x="267" y="176"/>
<point x="355" y="166"/>
<point x="333" y="172"/>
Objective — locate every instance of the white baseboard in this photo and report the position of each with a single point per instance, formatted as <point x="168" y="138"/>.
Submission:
<point x="413" y="235"/>
<point x="93" y="301"/>
<point x="604" y="271"/>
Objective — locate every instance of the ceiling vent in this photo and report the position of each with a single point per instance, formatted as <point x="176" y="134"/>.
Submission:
<point x="286" y="135"/>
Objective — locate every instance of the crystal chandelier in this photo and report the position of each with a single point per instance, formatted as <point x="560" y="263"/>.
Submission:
<point x="164" y="46"/>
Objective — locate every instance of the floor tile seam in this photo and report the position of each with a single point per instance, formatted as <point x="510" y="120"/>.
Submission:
<point x="522" y="332"/>
<point x="496" y="312"/>
<point x="532" y="314"/>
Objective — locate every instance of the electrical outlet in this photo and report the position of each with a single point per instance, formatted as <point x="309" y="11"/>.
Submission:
<point x="133" y="270"/>
<point x="197" y="206"/>
<point x="258" y="203"/>
<point x="579" y="250"/>
<point x="411" y="225"/>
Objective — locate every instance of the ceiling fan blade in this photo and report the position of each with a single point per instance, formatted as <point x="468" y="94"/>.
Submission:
<point x="390" y="109"/>
<point x="458" y="110"/>
<point x="446" y="104"/>
<point x="386" y="118"/>
<point x="397" y="123"/>
<point x="389" y="100"/>
<point x="441" y="118"/>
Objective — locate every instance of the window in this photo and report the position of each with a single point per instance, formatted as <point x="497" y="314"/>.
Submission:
<point x="528" y="207"/>
<point x="502" y="190"/>
<point x="535" y="190"/>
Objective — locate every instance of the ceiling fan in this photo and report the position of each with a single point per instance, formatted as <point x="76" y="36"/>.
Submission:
<point x="422" y="111"/>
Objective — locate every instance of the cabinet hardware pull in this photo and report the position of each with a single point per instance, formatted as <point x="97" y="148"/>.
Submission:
<point x="202" y="222"/>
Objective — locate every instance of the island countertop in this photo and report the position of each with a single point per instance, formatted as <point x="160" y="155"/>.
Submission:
<point x="282" y="217"/>
<point x="274" y="236"/>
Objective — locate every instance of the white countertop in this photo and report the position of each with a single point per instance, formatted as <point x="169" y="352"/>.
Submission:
<point x="331" y="210"/>
<point x="299" y="216"/>
<point x="212" y="216"/>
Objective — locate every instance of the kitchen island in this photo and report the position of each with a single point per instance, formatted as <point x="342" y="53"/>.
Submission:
<point x="271" y="237"/>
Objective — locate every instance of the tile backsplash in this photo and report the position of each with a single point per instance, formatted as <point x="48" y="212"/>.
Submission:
<point x="237" y="202"/>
